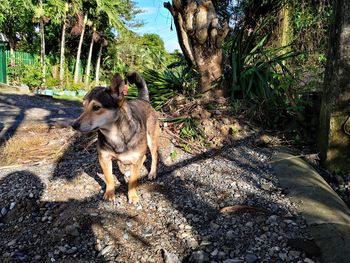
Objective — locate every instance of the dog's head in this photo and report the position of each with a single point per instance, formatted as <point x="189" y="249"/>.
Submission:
<point x="101" y="105"/>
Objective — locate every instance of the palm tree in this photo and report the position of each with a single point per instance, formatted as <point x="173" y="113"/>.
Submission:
<point x="70" y="8"/>
<point x="63" y="40"/>
<point x="44" y="12"/>
<point x="81" y="24"/>
<point x="103" y="43"/>
<point x="94" y="38"/>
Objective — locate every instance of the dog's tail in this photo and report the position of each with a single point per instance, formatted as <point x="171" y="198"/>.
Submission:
<point x="134" y="77"/>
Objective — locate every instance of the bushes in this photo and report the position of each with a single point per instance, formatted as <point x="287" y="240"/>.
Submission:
<point x="30" y="75"/>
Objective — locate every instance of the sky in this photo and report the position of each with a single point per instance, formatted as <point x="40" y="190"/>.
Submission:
<point x="157" y="20"/>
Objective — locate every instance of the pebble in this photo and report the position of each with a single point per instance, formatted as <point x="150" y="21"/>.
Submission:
<point x="72" y="230"/>
<point x="199" y="257"/>
<point x="307" y="260"/>
<point x="12" y="205"/>
<point x="233" y="260"/>
<point x="72" y="250"/>
<point x="126" y="236"/>
<point x="282" y="256"/>
<point x="106" y="250"/>
<point x="31" y="195"/>
<point x="250" y="258"/>
<point x="3" y="211"/>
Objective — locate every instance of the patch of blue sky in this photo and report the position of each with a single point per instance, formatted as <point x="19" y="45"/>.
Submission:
<point x="157" y="20"/>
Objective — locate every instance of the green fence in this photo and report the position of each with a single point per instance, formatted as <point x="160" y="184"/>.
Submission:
<point x="19" y="57"/>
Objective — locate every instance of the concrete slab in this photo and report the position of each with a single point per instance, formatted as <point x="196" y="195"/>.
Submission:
<point x="327" y="216"/>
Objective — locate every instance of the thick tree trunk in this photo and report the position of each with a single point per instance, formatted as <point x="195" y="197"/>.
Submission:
<point x="334" y="131"/>
<point x="200" y="36"/>
<point x="77" y="63"/>
<point x="63" y="43"/>
<point x="87" y="72"/>
<point x="42" y="53"/>
<point x="98" y="65"/>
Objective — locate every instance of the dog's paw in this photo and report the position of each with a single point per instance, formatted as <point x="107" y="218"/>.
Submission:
<point x="109" y="195"/>
<point x="133" y="198"/>
<point x="152" y="176"/>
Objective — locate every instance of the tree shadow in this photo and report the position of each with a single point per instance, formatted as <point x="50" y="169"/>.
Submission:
<point x="200" y="211"/>
<point x="35" y="230"/>
<point x="16" y="109"/>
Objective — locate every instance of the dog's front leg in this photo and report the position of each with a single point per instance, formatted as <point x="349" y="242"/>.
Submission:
<point x="135" y="172"/>
<point x="105" y="160"/>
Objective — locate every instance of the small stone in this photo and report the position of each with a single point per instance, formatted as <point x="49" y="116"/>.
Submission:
<point x="12" y="242"/>
<point x="232" y="260"/>
<point x="282" y="256"/>
<point x="266" y="187"/>
<point x="230" y="234"/>
<point x="250" y="258"/>
<point x="199" y="257"/>
<point x="294" y="253"/>
<point x="72" y="250"/>
<point x="249" y="224"/>
<point x="106" y="250"/>
<point x="12" y="205"/>
<point x="215" y="252"/>
<point x="31" y="195"/>
<point x="126" y="236"/>
<point x="62" y="249"/>
<point x="221" y="254"/>
<point x="192" y="243"/>
<point x="3" y="211"/>
<point x="72" y="230"/>
<point x="272" y="219"/>
<point x="214" y="226"/>
<point x="307" y="260"/>
<point x="205" y="243"/>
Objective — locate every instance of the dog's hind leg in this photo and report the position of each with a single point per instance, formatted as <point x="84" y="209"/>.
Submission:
<point x="135" y="172"/>
<point x="152" y="142"/>
<point x="106" y="165"/>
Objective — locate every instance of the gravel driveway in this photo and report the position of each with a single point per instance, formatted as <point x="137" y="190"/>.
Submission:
<point x="219" y="206"/>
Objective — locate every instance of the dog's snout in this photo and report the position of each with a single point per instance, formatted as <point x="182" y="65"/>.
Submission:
<point x="76" y="125"/>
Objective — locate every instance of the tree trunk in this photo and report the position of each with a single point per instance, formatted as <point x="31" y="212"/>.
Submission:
<point x="98" y="64"/>
<point x="200" y="36"/>
<point x="42" y="54"/>
<point x="87" y="71"/>
<point x="334" y="131"/>
<point x="77" y="63"/>
<point x="63" y="43"/>
<point x="12" y="52"/>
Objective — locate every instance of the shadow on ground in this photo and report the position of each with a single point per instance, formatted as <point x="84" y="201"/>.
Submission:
<point x="180" y="209"/>
<point x="17" y="110"/>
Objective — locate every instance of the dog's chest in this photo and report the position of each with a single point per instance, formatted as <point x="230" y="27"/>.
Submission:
<point x="122" y="140"/>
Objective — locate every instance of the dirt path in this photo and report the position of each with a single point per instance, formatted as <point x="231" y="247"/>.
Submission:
<point x="220" y="206"/>
<point x="22" y="111"/>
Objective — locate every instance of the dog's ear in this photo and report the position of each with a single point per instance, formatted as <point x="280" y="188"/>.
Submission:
<point x="117" y="88"/>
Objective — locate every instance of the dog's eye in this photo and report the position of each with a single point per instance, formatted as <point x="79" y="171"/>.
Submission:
<point x="96" y="107"/>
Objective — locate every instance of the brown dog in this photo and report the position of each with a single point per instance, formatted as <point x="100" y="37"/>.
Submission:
<point x="125" y="129"/>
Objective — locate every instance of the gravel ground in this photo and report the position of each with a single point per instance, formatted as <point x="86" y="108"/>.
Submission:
<point x="220" y="206"/>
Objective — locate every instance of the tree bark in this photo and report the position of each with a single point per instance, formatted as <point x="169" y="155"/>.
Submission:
<point x="63" y="43"/>
<point x="77" y="63"/>
<point x="98" y="65"/>
<point x="334" y="130"/>
<point x="12" y="52"/>
<point x="87" y="72"/>
<point x="200" y="36"/>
